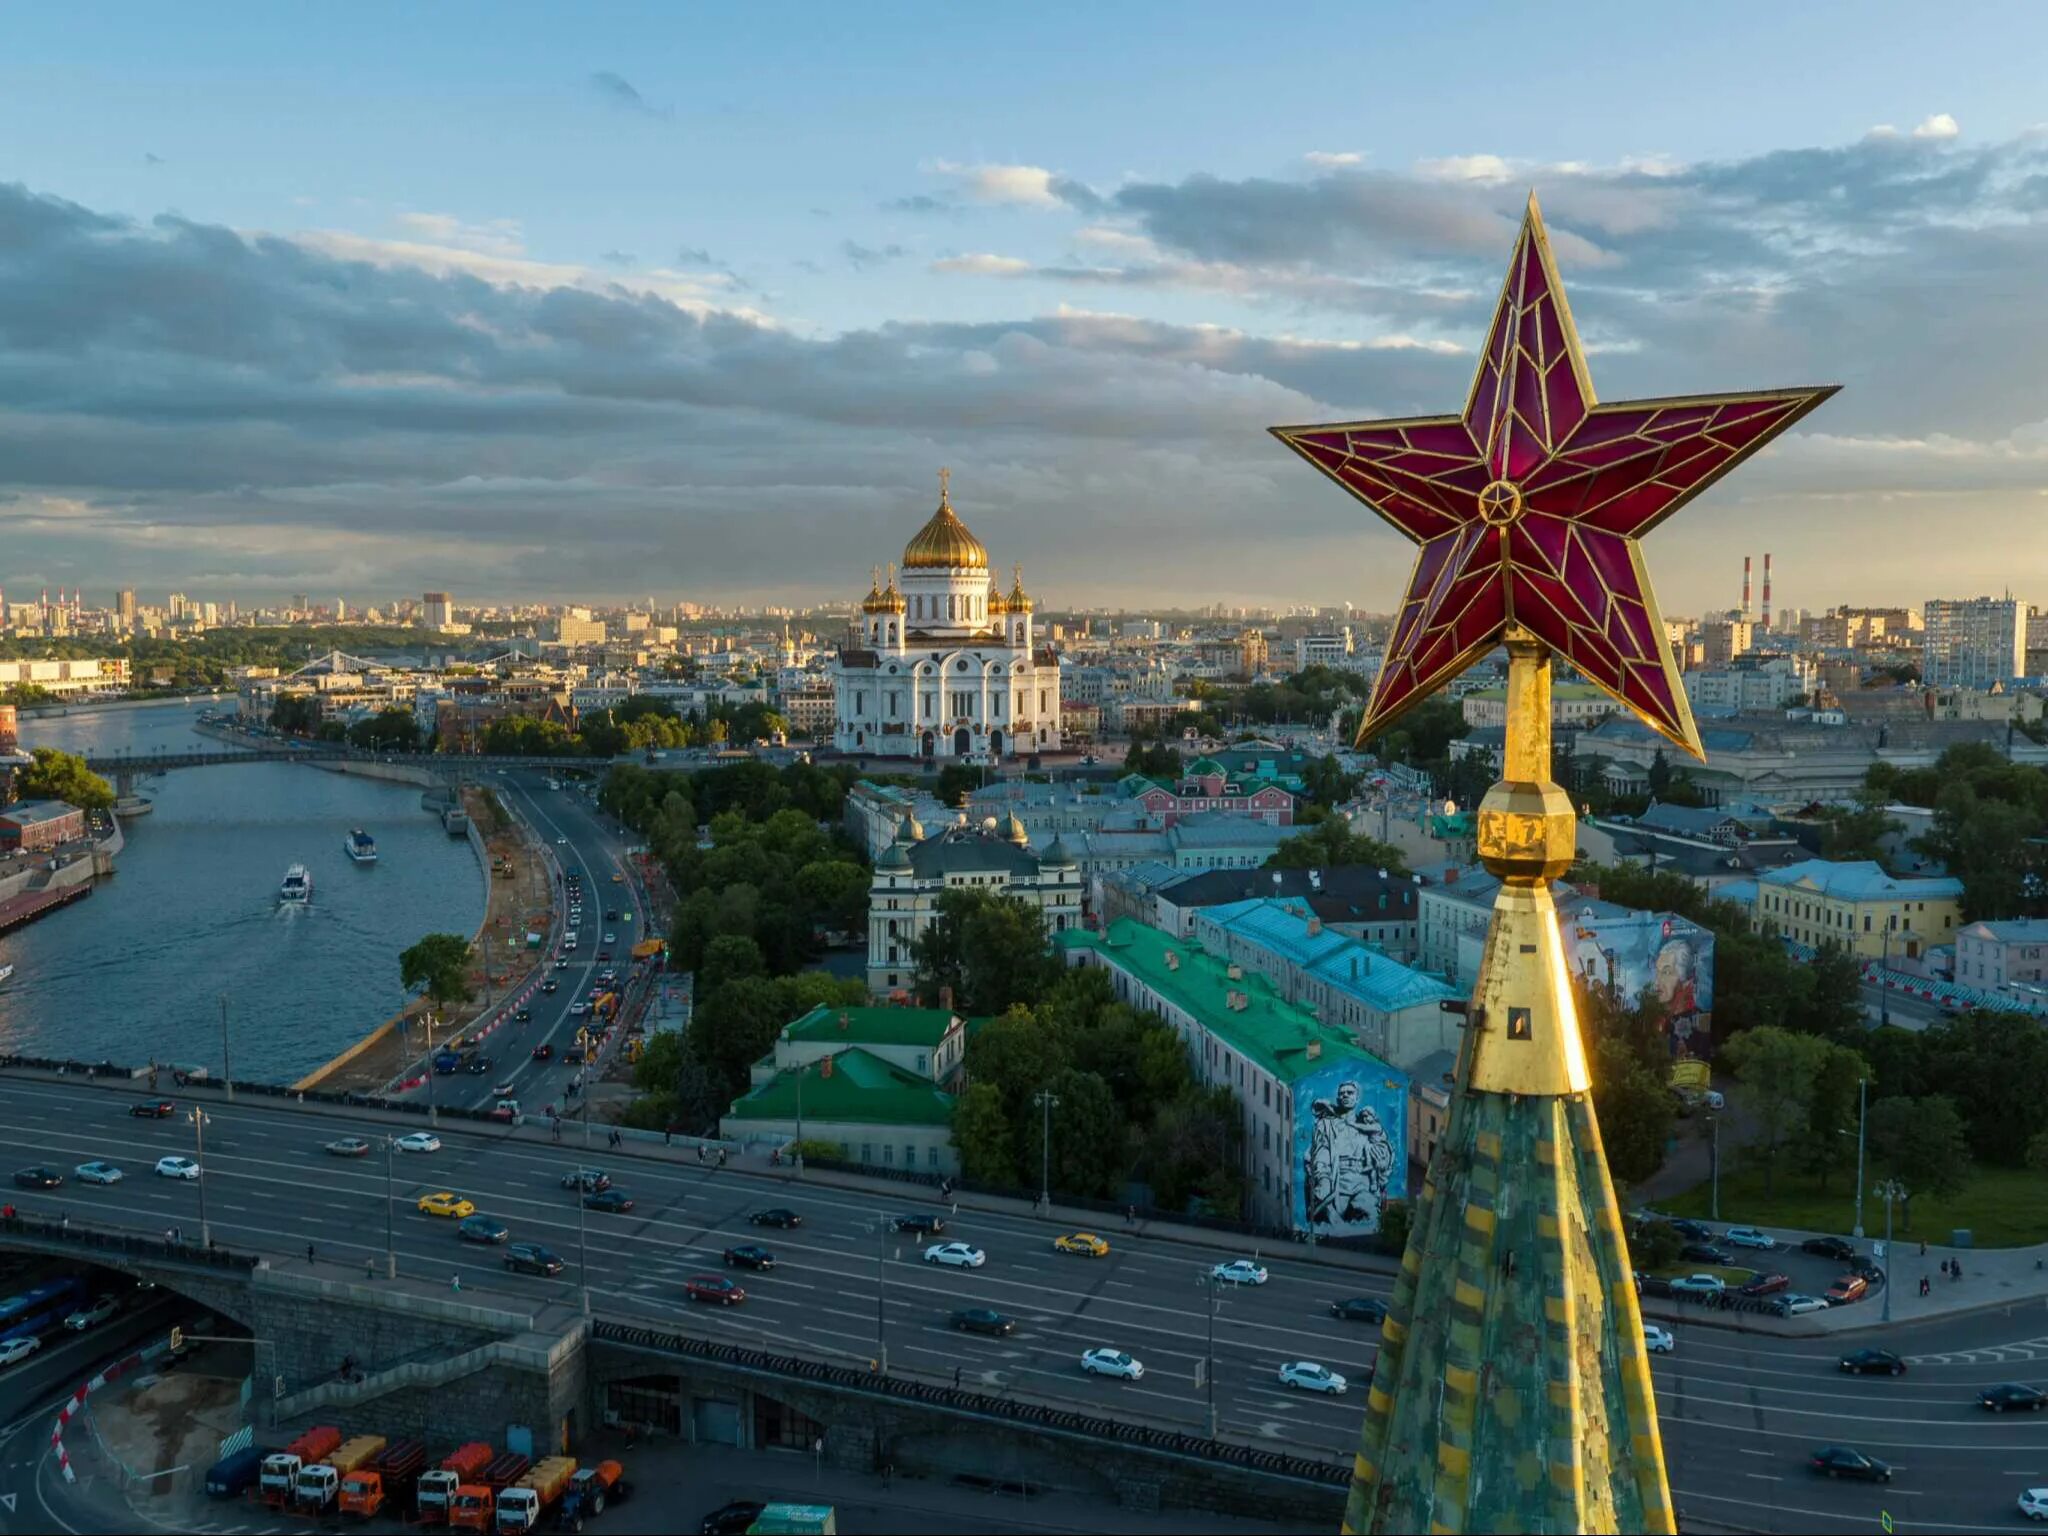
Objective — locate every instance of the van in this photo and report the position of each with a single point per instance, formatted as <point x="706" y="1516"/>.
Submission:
<point x="1848" y="1288"/>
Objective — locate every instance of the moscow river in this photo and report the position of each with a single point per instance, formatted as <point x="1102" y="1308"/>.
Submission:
<point x="136" y="971"/>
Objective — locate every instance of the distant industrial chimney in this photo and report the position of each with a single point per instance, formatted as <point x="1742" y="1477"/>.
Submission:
<point x="1745" y="586"/>
<point x="1767" y="589"/>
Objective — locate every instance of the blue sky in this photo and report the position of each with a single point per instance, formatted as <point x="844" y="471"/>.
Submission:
<point x="514" y="299"/>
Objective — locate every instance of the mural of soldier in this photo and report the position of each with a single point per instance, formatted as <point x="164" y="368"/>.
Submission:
<point x="1349" y="1164"/>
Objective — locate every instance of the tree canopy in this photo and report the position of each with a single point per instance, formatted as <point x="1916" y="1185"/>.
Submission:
<point x="55" y="775"/>
<point x="437" y="966"/>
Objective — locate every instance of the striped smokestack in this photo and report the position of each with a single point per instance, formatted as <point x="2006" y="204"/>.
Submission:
<point x="1767" y="589"/>
<point x="1745" y="586"/>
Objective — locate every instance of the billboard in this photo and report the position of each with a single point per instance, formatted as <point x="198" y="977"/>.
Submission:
<point x="1655" y="956"/>
<point x="1350" y="1146"/>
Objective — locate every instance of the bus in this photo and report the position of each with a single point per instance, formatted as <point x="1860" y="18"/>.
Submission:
<point x="41" y="1308"/>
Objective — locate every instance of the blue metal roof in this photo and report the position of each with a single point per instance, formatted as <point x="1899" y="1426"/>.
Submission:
<point x="1863" y="880"/>
<point x="1281" y="927"/>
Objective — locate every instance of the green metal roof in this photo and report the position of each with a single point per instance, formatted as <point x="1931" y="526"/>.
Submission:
<point x="872" y="1026"/>
<point x="1271" y="1031"/>
<point x="862" y="1089"/>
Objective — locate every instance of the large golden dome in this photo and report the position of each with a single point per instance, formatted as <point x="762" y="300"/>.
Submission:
<point x="944" y="542"/>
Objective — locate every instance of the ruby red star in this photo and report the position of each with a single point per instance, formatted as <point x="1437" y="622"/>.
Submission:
<point x="1529" y="504"/>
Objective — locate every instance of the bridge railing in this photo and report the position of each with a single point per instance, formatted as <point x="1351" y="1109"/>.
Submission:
<point x="131" y="1245"/>
<point x="1037" y="1415"/>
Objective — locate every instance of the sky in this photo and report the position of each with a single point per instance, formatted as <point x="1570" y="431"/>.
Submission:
<point x="530" y="301"/>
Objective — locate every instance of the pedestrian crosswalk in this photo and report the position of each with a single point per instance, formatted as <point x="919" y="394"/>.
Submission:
<point x="2000" y="1354"/>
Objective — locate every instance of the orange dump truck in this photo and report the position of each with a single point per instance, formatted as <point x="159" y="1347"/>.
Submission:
<point x="319" y="1485"/>
<point x="387" y="1481"/>
<point x="280" y="1474"/>
<point x="437" y="1488"/>
<point x="522" y="1506"/>
<point x="476" y="1501"/>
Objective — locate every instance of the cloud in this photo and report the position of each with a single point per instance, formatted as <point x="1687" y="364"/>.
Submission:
<point x="617" y="258"/>
<point x="982" y="264"/>
<point x="1328" y="160"/>
<point x="493" y="237"/>
<point x="615" y="90"/>
<point x="1938" y="125"/>
<point x="150" y="159"/>
<point x="862" y="257"/>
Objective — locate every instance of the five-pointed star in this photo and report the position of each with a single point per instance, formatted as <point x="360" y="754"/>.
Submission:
<point x="1528" y="505"/>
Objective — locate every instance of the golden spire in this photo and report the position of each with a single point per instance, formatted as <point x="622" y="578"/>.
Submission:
<point x="872" y="603"/>
<point x="892" y="600"/>
<point x="1020" y="600"/>
<point x="945" y="475"/>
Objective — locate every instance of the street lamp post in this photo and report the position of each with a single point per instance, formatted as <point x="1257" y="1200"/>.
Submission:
<point x="799" y="1119"/>
<point x="1047" y="1102"/>
<point x="227" y="1075"/>
<point x="1862" y="1114"/>
<point x="1714" y="1161"/>
<point x="1209" y="1364"/>
<point x="198" y="1118"/>
<point x="1884" y="965"/>
<point x="1889" y="1190"/>
<point x="582" y="1199"/>
<point x="390" y="1230"/>
<point x="882" y="1294"/>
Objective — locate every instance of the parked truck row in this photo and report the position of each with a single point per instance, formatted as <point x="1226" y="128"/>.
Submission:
<point x="472" y="1488"/>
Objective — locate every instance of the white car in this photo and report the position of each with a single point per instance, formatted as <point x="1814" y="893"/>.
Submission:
<point x="1795" y="1304"/>
<point x="177" y="1167"/>
<point x="1658" y="1341"/>
<point x="1698" y="1285"/>
<point x="1307" y="1376"/>
<point x="611" y="938"/>
<point x="1239" y="1272"/>
<point x="505" y="1091"/>
<point x="97" y="1173"/>
<point x="1748" y="1237"/>
<point x="958" y="1254"/>
<point x="578" y="1009"/>
<point x="1112" y="1362"/>
<point x="418" y="1141"/>
<point x="98" y="1312"/>
<point x="2034" y="1503"/>
<point x="561" y="842"/>
<point x="19" y="1349"/>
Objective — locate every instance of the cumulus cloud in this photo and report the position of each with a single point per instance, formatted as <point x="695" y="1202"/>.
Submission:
<point x="1330" y="160"/>
<point x="863" y="257"/>
<point x="983" y="264"/>
<point x="493" y="237"/>
<point x="1023" y="186"/>
<point x="1938" y="125"/>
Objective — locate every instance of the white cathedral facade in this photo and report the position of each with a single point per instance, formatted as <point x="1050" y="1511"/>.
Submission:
<point x="943" y="664"/>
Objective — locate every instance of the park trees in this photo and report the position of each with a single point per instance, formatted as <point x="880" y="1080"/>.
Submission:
<point x="55" y="775"/>
<point x="987" y="952"/>
<point x="1331" y="842"/>
<point x="1922" y="1142"/>
<point x="438" y="968"/>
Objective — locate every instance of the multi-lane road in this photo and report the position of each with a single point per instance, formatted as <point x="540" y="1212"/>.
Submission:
<point x="844" y="1287"/>
<point x="1740" y="1413"/>
<point x="576" y="837"/>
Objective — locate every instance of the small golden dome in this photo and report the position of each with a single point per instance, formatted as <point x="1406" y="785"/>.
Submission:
<point x="944" y="543"/>
<point x="998" y="605"/>
<point x="892" y="600"/>
<point x="1019" y="601"/>
<point x="872" y="603"/>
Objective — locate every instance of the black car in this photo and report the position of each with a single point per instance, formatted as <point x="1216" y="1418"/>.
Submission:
<point x="38" y="1178"/>
<point x="924" y="1226"/>
<point x="153" y="1109"/>
<point x="532" y="1259"/>
<point x="543" y="1052"/>
<point x="551" y="985"/>
<point x="778" y="1216"/>
<point x="523" y="1016"/>
<point x="608" y="1200"/>
<point x="1697" y="1231"/>
<point x="573" y="1057"/>
<point x="589" y="1180"/>
<point x="1829" y="1248"/>
<point x="1705" y="1253"/>
<point x="1840" y="1461"/>
<point x="2012" y="1397"/>
<point x="749" y="1256"/>
<point x="1652" y="1285"/>
<point x="734" y="1519"/>
<point x="983" y="1320"/>
<point x="1360" y="1309"/>
<point x="1864" y="1362"/>
<point x="480" y="1065"/>
<point x="611" y="914"/>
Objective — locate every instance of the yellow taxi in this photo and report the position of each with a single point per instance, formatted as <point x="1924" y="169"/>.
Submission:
<point x="1082" y="1242"/>
<point x="443" y="1203"/>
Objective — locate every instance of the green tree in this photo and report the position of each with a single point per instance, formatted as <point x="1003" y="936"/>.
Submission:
<point x="1194" y="1152"/>
<point x="295" y="714"/>
<point x="1330" y="843"/>
<point x="389" y="730"/>
<point x="1659" y="775"/>
<point x="1155" y="760"/>
<point x="956" y="782"/>
<point x="1395" y="1223"/>
<point x="1831" y="1110"/>
<point x="1776" y="1068"/>
<point x="437" y="967"/>
<point x="989" y="950"/>
<point x="1655" y="1245"/>
<point x="54" y="775"/>
<point x="729" y="958"/>
<point x="1921" y="1142"/>
<point x="981" y="1135"/>
<point x="2037" y="1152"/>
<point x="1835" y="1008"/>
<point x="1851" y="833"/>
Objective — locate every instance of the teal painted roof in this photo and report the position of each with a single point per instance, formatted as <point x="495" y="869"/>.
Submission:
<point x="872" y="1026"/>
<point x="1271" y="1031"/>
<point x="1862" y="880"/>
<point x="1281" y="927"/>
<point x="862" y="1089"/>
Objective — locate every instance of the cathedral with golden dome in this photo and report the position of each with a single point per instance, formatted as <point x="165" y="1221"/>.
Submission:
<point x="942" y="662"/>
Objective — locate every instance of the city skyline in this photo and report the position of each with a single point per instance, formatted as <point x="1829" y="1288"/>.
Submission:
<point x="621" y="305"/>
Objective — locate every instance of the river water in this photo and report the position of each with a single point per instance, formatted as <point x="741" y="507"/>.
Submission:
<point x="136" y="971"/>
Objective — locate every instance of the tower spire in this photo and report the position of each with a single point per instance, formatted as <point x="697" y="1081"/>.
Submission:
<point x="945" y="495"/>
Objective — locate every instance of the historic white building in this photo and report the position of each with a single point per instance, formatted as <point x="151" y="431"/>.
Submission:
<point x="944" y="664"/>
<point x="917" y="870"/>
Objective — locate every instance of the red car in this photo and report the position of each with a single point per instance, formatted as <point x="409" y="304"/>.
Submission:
<point x="1765" y="1285"/>
<point x="505" y="1110"/>
<point x="543" y="1053"/>
<point x="721" y="1289"/>
<point x="153" y="1109"/>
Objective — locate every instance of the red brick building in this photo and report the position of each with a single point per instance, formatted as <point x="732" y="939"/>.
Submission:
<point x="36" y="824"/>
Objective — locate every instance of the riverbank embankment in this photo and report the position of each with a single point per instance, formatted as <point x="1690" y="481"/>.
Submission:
<point x="520" y="901"/>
